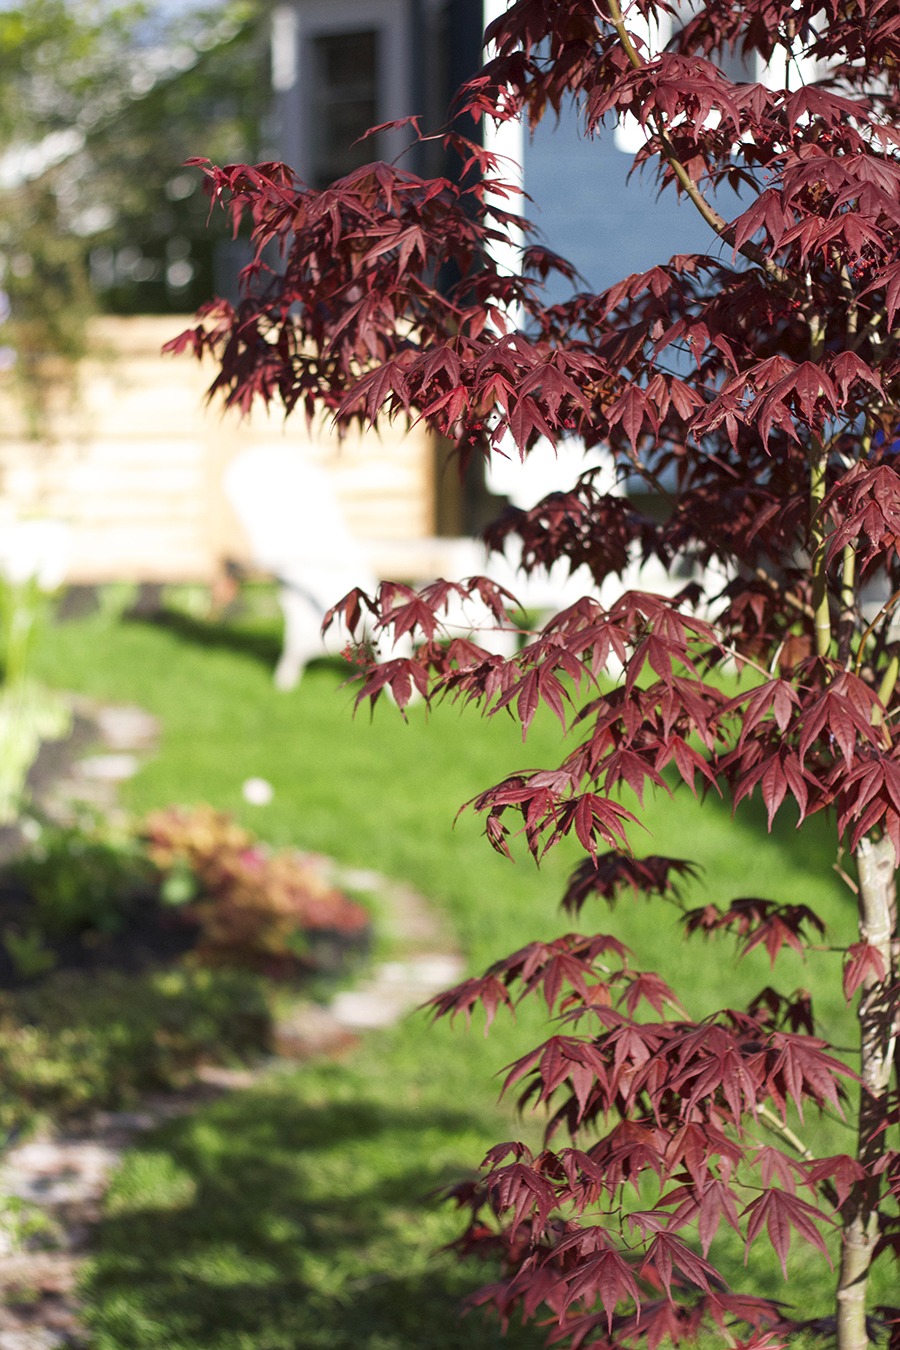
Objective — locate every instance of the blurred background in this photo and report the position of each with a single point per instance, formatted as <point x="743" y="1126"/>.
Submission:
<point x="300" y="1212"/>
<point x="106" y="244"/>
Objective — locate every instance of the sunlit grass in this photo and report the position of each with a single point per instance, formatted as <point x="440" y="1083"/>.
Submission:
<point x="297" y="1215"/>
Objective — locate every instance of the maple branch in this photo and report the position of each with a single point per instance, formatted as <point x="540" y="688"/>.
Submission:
<point x="744" y="661"/>
<point x="801" y="606"/>
<point x="818" y="470"/>
<point x="718" y="223"/>
<point x="821" y="608"/>
<point x="866" y="331"/>
<point x="889" y="679"/>
<point x="865" y="440"/>
<point x="852" y="304"/>
<point x="780" y="1127"/>
<point x="885" y="610"/>
<point x="649" y="476"/>
<point x="786" y="1133"/>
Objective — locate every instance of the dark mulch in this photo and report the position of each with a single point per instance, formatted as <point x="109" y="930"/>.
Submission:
<point x="151" y="935"/>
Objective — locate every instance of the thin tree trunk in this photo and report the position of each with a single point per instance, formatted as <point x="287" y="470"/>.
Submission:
<point x="876" y="867"/>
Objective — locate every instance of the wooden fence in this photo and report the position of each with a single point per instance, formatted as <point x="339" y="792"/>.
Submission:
<point x="132" y="461"/>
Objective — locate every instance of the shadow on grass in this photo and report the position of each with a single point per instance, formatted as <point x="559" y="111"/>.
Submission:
<point x="270" y="1224"/>
<point x="812" y="848"/>
<point x="259" y="642"/>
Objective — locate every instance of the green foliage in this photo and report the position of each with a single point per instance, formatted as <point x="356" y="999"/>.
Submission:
<point x="24" y="605"/>
<point x="28" y="951"/>
<point x="63" y="70"/>
<point x="45" y="281"/>
<point x="62" y="62"/>
<point x="101" y="102"/>
<point x="78" y="1043"/>
<point x="130" y="91"/>
<point x="25" y="1226"/>
<point x="82" y="879"/>
<point x="155" y="253"/>
<point x="179" y="885"/>
<point x="29" y="714"/>
<point x="91" y="893"/>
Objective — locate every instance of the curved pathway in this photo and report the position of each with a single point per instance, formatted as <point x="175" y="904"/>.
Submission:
<point x="63" y="1176"/>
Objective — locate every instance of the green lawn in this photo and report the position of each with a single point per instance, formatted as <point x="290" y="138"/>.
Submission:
<point x="299" y="1215"/>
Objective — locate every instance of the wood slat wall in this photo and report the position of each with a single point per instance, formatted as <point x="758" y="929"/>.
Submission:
<point x="134" y="464"/>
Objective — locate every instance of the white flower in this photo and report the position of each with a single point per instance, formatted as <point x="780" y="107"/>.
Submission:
<point x="258" y="792"/>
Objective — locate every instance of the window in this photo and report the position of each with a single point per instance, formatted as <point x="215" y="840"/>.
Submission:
<point x="344" y="102"/>
<point x="340" y="67"/>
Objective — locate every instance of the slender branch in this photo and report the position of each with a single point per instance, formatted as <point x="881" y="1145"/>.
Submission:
<point x="847" y="617"/>
<point x="866" y="331"/>
<point x="716" y="222"/>
<point x="885" y="610"/>
<point x="821" y="608"/>
<point x="649" y="476"/>
<point x="744" y="661"/>
<point x="845" y="878"/>
<point x="852" y="303"/>
<point x="786" y="1133"/>
<point x="888" y="683"/>
<point x="769" y="1118"/>
<point x="866" y="438"/>
<point x="794" y="601"/>
<point x="818" y="469"/>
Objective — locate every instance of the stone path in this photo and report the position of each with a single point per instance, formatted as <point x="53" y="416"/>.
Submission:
<point x="63" y="1177"/>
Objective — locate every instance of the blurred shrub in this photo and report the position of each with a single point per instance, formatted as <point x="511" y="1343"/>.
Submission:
<point x="74" y="1040"/>
<point x="84" y="1042"/>
<point x="193" y="872"/>
<point x="82" y="879"/>
<point x="274" y="912"/>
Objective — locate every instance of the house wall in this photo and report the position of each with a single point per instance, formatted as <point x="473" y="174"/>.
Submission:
<point x="134" y="464"/>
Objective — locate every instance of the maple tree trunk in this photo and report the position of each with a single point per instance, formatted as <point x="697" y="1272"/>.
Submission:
<point x="860" y="1217"/>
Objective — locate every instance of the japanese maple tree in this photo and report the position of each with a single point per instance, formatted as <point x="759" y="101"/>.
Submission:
<point x="756" y="389"/>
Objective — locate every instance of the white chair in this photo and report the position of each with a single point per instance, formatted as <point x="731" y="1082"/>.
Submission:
<point x="296" y="531"/>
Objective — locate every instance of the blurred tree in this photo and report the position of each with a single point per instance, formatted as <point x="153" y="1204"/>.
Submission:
<point x="100" y="104"/>
<point x="143" y="214"/>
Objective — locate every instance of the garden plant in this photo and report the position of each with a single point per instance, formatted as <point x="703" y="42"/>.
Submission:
<point x="274" y="912"/>
<point x="754" y="389"/>
<point x="134" y="955"/>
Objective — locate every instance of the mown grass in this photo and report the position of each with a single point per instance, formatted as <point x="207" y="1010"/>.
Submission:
<point x="298" y="1215"/>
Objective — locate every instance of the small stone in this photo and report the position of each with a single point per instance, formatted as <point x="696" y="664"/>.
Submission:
<point x="368" y="1009"/>
<point x="310" y="1030"/>
<point x="438" y="971"/>
<point x="359" y="878"/>
<point x="228" y="1080"/>
<point x="33" y="1338"/>
<point x="123" y="727"/>
<point x="108" y="768"/>
<point x="55" y="1172"/>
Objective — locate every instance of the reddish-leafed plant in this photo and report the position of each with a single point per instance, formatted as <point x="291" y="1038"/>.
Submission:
<point x="756" y="388"/>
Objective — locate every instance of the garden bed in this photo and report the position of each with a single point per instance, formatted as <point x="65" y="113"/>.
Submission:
<point x="130" y="957"/>
<point x="150" y="937"/>
<point x="184" y="886"/>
